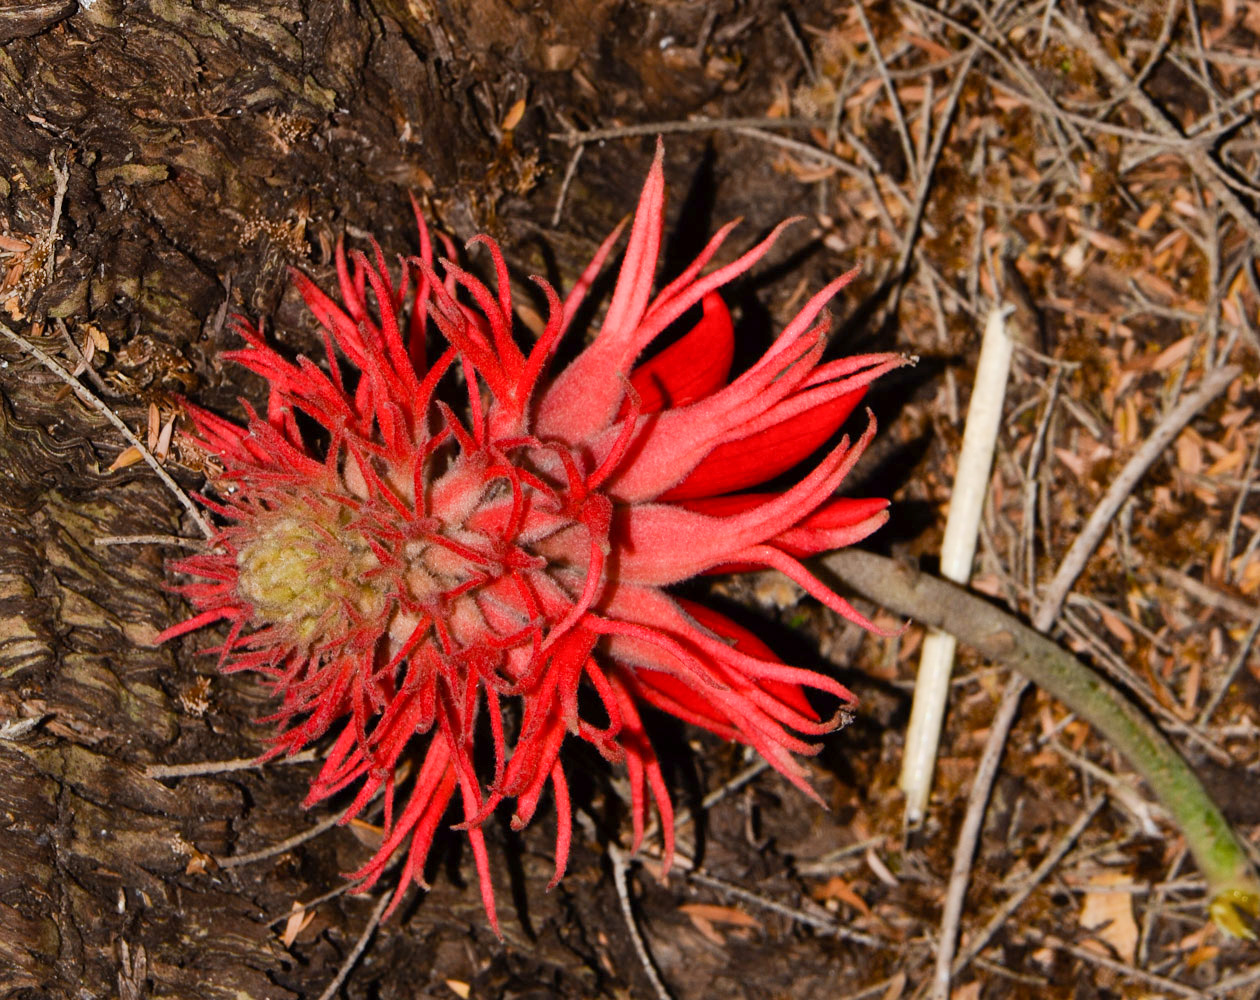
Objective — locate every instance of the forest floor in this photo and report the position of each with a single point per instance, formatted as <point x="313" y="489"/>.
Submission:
<point x="1092" y="168"/>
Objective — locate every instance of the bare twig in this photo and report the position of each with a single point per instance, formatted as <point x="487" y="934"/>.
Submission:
<point x="620" y="865"/>
<point x="1210" y="386"/>
<point x="310" y="904"/>
<point x="82" y="361"/>
<point x="61" y="175"/>
<point x="577" y="137"/>
<point x="798" y="43"/>
<point x="92" y="400"/>
<point x="791" y="912"/>
<point x="222" y="766"/>
<point x="801" y="149"/>
<point x="969" y="836"/>
<point x="978" y="943"/>
<point x="357" y="952"/>
<point x="179" y="541"/>
<point x="899" y="117"/>
<point x="569" y="171"/>
<point x="934" y="154"/>
<point x="1205" y="595"/>
<point x="297" y="840"/>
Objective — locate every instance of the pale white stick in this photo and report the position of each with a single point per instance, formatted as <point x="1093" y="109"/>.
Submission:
<point x="962" y="527"/>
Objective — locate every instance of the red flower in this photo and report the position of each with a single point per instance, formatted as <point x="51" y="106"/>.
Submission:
<point x="418" y="568"/>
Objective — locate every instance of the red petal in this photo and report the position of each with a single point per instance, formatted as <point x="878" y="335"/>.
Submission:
<point x="736" y="465"/>
<point x="843" y="512"/>
<point x="792" y="695"/>
<point x="820" y="531"/>
<point x="811" y="536"/>
<point x="692" y="367"/>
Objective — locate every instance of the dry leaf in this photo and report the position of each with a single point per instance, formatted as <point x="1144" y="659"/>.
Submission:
<point x="896" y="986"/>
<point x="1109" y="915"/>
<point x="460" y="988"/>
<point x="300" y="918"/>
<point x="198" y="861"/>
<point x="1189" y="456"/>
<point x="163" y="447"/>
<point x="1116" y="627"/>
<point x="513" y="118"/>
<point x="130" y="456"/>
<point x="367" y="834"/>
<point x="705" y="927"/>
<point x="1072" y="460"/>
<point x="876" y="864"/>
<point x="88" y="351"/>
<point x="1204" y="953"/>
<point x="155" y="424"/>
<point x="837" y="888"/>
<point x="720" y="914"/>
<point x="1150" y="216"/>
<point x="1105" y="242"/>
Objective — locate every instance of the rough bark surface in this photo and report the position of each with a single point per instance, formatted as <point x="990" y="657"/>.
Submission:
<point x="210" y="146"/>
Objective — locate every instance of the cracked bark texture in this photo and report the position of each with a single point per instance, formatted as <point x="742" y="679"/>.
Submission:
<point x="210" y="146"/>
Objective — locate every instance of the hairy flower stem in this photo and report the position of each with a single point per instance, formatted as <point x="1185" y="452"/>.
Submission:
<point x="1233" y="885"/>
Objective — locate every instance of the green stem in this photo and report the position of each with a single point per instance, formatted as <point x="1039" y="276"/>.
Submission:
<point x="1233" y="885"/>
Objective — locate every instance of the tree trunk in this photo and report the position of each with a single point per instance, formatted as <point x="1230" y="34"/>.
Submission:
<point x="207" y="147"/>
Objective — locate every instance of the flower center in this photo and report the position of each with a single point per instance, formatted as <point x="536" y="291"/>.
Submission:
<point x="295" y="575"/>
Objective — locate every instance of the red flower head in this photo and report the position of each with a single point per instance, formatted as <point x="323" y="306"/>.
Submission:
<point x="417" y="568"/>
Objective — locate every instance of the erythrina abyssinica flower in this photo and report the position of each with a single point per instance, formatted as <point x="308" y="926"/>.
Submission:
<point x="410" y="578"/>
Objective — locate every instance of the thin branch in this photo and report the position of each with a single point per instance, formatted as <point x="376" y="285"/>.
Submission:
<point x="92" y="400"/>
<point x="1002" y="638"/>
<point x="1172" y="424"/>
<point x="270" y="851"/>
<point x="569" y="172"/>
<point x="61" y="175"/>
<point x="823" y="924"/>
<point x="179" y="541"/>
<point x="620" y="865"/>
<point x="823" y="156"/>
<point x="969" y="837"/>
<point x="899" y="117"/>
<point x="222" y="766"/>
<point x="1048" y="864"/>
<point x="577" y="137"/>
<point x="357" y="952"/>
<point x="934" y="154"/>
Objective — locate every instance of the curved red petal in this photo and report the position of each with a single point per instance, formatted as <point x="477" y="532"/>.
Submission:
<point x="692" y="367"/>
<point x="792" y="695"/>
<point x="759" y="457"/>
<point x="842" y="512"/>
